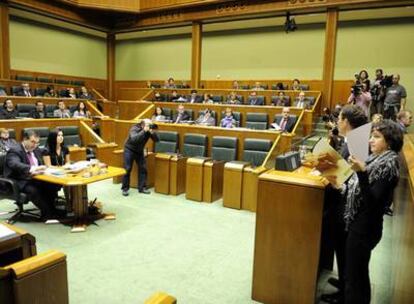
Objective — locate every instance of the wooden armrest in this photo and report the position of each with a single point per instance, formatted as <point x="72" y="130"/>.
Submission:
<point x="118" y="151"/>
<point x="255" y="170"/>
<point x="197" y="160"/>
<point x="164" y="156"/>
<point x="102" y="145"/>
<point x="35" y="263"/>
<point x="236" y="165"/>
<point x="161" y="298"/>
<point x="212" y="163"/>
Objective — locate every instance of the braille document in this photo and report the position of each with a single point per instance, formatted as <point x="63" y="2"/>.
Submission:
<point x="6" y="233"/>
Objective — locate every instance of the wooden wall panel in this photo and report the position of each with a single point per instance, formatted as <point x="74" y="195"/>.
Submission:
<point x="4" y="42"/>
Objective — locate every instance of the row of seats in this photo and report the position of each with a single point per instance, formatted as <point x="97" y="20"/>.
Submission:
<point x="24" y="109"/>
<point x="223" y="148"/>
<point x="303" y="87"/>
<point x="220" y="99"/>
<point x="50" y="80"/>
<point x="71" y="134"/>
<point x="38" y="92"/>
<point x="257" y="121"/>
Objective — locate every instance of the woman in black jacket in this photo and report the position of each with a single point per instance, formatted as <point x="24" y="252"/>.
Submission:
<point x="368" y="193"/>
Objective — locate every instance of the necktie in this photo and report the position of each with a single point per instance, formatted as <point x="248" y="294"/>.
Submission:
<point x="283" y="124"/>
<point x="31" y="159"/>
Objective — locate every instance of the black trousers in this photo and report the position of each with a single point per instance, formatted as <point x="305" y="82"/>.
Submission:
<point x="358" y="254"/>
<point x="139" y="158"/>
<point x="391" y="112"/>
<point x="42" y="195"/>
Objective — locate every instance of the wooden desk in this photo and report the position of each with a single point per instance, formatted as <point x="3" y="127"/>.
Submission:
<point x="288" y="234"/>
<point x="19" y="247"/>
<point x="77" y="186"/>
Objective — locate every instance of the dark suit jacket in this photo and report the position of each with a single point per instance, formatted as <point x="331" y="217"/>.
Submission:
<point x="17" y="165"/>
<point x="4" y="114"/>
<point x="198" y="99"/>
<point x="289" y="124"/>
<point x="35" y="114"/>
<point x="184" y="117"/>
<point x="21" y="93"/>
<point x="256" y="102"/>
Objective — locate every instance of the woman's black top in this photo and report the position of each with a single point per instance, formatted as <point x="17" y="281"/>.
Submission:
<point x="55" y="159"/>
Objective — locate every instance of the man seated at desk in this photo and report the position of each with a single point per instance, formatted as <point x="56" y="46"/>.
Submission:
<point x="181" y="116"/>
<point x="285" y="122"/>
<point x="23" y="161"/>
<point x="206" y="119"/>
<point x="25" y="90"/>
<point x="61" y="111"/>
<point x="5" y="141"/>
<point x="39" y="111"/>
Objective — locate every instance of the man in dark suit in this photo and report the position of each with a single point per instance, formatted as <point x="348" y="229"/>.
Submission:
<point x="302" y="101"/>
<point x="39" y="111"/>
<point x="194" y="98"/>
<point x="181" y="115"/>
<point x="25" y="90"/>
<point x="285" y="122"/>
<point x="254" y="101"/>
<point x="350" y="117"/>
<point x="23" y="161"/>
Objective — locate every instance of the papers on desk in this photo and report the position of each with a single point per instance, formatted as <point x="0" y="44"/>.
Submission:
<point x="6" y="233"/>
<point x="72" y="168"/>
<point x="276" y="126"/>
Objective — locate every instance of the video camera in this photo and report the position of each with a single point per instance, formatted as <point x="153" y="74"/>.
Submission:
<point x="153" y="126"/>
<point x="387" y="81"/>
<point x="356" y="89"/>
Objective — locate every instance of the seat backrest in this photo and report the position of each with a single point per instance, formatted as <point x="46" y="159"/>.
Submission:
<point x="224" y="148"/>
<point x="63" y="93"/>
<point x="24" y="78"/>
<point x="72" y="109"/>
<point x="255" y="150"/>
<point x="49" y="109"/>
<point x="189" y="112"/>
<point x="24" y="109"/>
<point x="217" y="98"/>
<point x="62" y="81"/>
<point x="12" y="133"/>
<point x="44" y="79"/>
<point x="2" y="161"/>
<point x="304" y="87"/>
<point x="168" y="142"/>
<point x="39" y="91"/>
<point x="71" y="135"/>
<point x="256" y="121"/>
<point x="195" y="145"/>
<point x="15" y="90"/>
<point x="78" y="82"/>
<point x="245" y="87"/>
<point x="43" y="134"/>
<point x="260" y="99"/>
<point x="167" y="113"/>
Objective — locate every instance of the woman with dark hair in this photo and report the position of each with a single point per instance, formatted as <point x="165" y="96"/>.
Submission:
<point x="56" y="153"/>
<point x="81" y="111"/>
<point x="159" y="115"/>
<point x="363" y="78"/>
<point x="50" y="92"/>
<point x="368" y="193"/>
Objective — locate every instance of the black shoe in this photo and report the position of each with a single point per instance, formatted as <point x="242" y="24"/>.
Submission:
<point x="125" y="192"/>
<point x="335" y="282"/>
<point x="144" y="191"/>
<point x="333" y="298"/>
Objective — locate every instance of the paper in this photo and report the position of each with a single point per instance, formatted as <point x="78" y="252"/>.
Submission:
<point x="336" y="170"/>
<point x="6" y="233"/>
<point x="276" y="126"/>
<point x="358" y="141"/>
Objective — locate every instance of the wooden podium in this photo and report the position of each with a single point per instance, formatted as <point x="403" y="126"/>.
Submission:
<point x="288" y="236"/>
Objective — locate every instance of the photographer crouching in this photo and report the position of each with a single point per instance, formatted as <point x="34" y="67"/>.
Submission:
<point x="134" y="151"/>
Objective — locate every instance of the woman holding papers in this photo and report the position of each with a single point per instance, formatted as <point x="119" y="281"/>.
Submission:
<point x="56" y="153"/>
<point x="367" y="195"/>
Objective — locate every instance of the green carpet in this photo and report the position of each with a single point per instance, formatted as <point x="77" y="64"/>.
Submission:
<point x="200" y="253"/>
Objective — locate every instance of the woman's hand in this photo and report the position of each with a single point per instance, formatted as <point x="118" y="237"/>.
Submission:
<point x="356" y="164"/>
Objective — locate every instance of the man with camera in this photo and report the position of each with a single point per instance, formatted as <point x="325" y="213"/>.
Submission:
<point x="138" y="136"/>
<point x="361" y="97"/>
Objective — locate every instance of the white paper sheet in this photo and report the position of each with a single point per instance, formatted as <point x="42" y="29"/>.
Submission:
<point x="358" y="141"/>
<point x="6" y="233"/>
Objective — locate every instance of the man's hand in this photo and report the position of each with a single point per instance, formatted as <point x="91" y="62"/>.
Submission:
<point x="147" y="128"/>
<point x="356" y="164"/>
<point x="326" y="162"/>
<point x="35" y="170"/>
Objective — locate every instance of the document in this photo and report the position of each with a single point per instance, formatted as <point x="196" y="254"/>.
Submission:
<point x="6" y="233"/>
<point x="330" y="163"/>
<point x="276" y="126"/>
<point x="358" y="141"/>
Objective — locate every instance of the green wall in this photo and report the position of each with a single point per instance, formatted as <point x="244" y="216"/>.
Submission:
<point x="386" y="44"/>
<point x="44" y="48"/>
<point x="154" y="58"/>
<point x="266" y="53"/>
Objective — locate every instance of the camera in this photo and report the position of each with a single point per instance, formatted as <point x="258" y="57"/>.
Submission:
<point x="356" y="89"/>
<point x="387" y="81"/>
